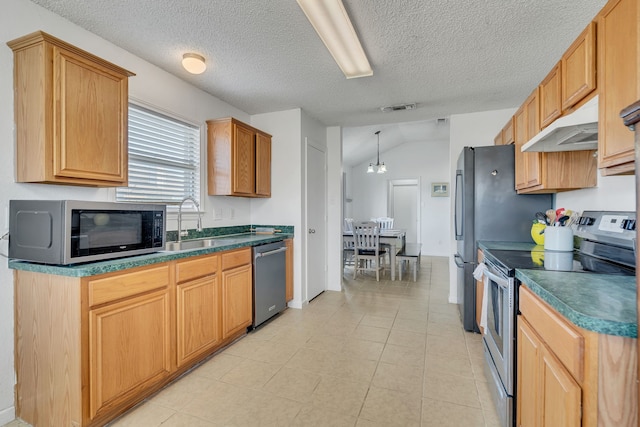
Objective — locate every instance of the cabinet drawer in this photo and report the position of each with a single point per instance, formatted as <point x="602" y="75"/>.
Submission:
<point x="127" y="284"/>
<point x="193" y="268"/>
<point x="563" y="339"/>
<point x="236" y="258"/>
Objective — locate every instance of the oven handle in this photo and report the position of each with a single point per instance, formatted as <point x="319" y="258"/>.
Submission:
<point x="501" y="281"/>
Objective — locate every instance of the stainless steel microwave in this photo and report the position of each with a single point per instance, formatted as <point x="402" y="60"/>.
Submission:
<point x="65" y="232"/>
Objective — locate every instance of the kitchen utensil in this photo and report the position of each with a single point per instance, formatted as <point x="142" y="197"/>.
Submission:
<point x="563" y="219"/>
<point x="551" y="216"/>
<point x="559" y="213"/>
<point x="573" y="219"/>
<point x="542" y="218"/>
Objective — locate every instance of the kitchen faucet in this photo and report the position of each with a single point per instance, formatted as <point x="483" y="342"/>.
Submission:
<point x="198" y="226"/>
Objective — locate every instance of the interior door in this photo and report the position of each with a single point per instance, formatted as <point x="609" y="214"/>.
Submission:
<point x="405" y="207"/>
<point x="316" y="261"/>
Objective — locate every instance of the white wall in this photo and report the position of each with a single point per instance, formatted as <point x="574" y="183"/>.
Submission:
<point x="426" y="161"/>
<point x="613" y="193"/>
<point x="283" y="208"/>
<point x="469" y="130"/>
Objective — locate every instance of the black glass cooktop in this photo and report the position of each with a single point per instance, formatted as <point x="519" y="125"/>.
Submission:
<point x="557" y="261"/>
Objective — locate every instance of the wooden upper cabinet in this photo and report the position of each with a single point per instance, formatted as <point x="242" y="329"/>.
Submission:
<point x="547" y="172"/>
<point x="263" y="164"/>
<point x="520" y="134"/>
<point x="508" y="136"/>
<point x="239" y="159"/>
<point x="578" y="65"/>
<point x="550" y="97"/>
<point x="243" y="157"/>
<point x="70" y="112"/>
<point x="618" y="75"/>
<point x="533" y="160"/>
<point x="505" y="136"/>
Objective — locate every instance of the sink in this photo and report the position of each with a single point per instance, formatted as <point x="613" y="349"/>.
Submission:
<point x="202" y="243"/>
<point x="191" y="244"/>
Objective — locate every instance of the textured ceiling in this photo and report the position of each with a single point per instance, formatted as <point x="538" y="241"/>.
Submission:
<point x="448" y="56"/>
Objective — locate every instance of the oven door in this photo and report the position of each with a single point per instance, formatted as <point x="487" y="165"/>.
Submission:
<point x="499" y="336"/>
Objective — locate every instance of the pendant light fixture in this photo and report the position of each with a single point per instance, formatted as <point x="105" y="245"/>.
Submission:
<point x="381" y="167"/>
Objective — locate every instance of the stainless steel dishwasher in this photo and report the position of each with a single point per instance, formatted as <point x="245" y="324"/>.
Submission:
<point x="269" y="281"/>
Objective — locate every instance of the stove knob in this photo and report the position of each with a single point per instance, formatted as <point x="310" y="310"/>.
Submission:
<point x="628" y="224"/>
<point x="585" y="220"/>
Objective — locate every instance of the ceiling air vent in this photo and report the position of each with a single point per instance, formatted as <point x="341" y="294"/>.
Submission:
<point x="398" y="107"/>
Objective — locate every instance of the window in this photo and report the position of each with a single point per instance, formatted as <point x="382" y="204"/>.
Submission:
<point x="164" y="158"/>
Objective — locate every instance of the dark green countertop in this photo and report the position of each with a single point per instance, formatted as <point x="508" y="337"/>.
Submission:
<point x="108" y="266"/>
<point x="601" y="303"/>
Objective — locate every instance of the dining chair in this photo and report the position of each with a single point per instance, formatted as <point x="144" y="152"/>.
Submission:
<point x="368" y="256"/>
<point x="348" y="224"/>
<point x="385" y="223"/>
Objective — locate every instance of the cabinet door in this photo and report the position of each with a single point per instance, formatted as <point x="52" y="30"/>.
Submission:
<point x="129" y="349"/>
<point x="533" y="160"/>
<point x="507" y="133"/>
<point x="550" y="98"/>
<point x="617" y="82"/>
<point x="561" y="394"/>
<point x="263" y="165"/>
<point x="520" y="125"/>
<point x="198" y="317"/>
<point x="90" y="112"/>
<point x="579" y="68"/>
<point x="243" y="160"/>
<point x="528" y="411"/>
<point x="289" y="270"/>
<point x="237" y="300"/>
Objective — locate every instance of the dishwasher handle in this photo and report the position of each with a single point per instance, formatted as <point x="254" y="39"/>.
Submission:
<point x="268" y="253"/>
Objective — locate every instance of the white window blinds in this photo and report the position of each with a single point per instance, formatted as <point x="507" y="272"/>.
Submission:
<point x="164" y="158"/>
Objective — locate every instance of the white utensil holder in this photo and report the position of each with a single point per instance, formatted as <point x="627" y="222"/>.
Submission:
<point x="558" y="239"/>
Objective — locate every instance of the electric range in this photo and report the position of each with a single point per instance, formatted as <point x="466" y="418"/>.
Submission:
<point x="604" y="243"/>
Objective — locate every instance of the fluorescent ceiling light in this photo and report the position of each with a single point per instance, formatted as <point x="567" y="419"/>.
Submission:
<point x="193" y="63"/>
<point x="331" y="22"/>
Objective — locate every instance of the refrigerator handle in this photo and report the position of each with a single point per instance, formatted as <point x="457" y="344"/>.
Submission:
<point x="458" y="211"/>
<point x="459" y="264"/>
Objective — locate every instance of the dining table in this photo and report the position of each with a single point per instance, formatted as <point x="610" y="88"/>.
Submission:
<point x="395" y="238"/>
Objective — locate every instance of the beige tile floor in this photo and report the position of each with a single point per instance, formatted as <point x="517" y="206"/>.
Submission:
<point x="377" y="354"/>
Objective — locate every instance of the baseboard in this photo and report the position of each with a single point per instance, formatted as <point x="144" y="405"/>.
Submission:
<point x="294" y="304"/>
<point x="7" y="415"/>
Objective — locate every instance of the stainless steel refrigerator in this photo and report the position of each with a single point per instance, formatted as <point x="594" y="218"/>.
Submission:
<point x="487" y="207"/>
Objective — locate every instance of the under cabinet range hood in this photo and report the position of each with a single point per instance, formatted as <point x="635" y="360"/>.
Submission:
<point x="576" y="131"/>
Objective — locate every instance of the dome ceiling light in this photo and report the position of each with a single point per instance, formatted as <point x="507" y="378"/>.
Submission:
<point x="194" y="63"/>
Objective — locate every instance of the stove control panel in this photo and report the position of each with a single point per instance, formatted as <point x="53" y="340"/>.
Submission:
<point x="613" y="223"/>
<point x="613" y="227"/>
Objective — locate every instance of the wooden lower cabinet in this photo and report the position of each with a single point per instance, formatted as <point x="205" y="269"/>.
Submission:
<point x="90" y="348"/>
<point x="289" y="270"/>
<point x="198" y="304"/>
<point x="129" y="349"/>
<point x="551" y="396"/>
<point x="568" y="376"/>
<point x="237" y="292"/>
